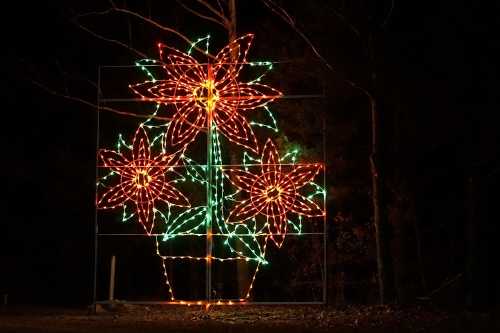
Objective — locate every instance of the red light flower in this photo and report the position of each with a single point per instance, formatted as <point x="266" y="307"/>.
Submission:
<point x="142" y="180"/>
<point x="202" y="93"/>
<point x="274" y="193"/>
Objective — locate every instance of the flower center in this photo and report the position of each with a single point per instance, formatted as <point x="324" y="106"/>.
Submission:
<point x="206" y="95"/>
<point x="273" y="193"/>
<point x="142" y="179"/>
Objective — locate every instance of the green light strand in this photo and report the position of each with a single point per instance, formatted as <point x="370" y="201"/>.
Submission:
<point x="166" y="219"/>
<point x="231" y="197"/>
<point x="193" y="170"/>
<point x="219" y="184"/>
<point x="290" y="155"/>
<point x="101" y="180"/>
<point x="186" y="222"/>
<point x="199" y="40"/>
<point x="266" y="64"/>
<point x="151" y="117"/>
<point x="145" y="62"/>
<point x="297" y="226"/>
<point x="159" y="136"/>
<point x="142" y="64"/>
<point x="319" y="190"/>
<point x="248" y="158"/>
<point x="121" y="143"/>
<point x="256" y="256"/>
<point x="125" y="218"/>
<point x="274" y="125"/>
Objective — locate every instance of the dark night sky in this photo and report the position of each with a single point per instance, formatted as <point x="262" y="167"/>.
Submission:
<point x="436" y="60"/>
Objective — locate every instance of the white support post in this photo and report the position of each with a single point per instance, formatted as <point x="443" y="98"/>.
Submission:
<point x="112" y="280"/>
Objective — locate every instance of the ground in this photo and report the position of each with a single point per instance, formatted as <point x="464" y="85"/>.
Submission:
<point x="241" y="319"/>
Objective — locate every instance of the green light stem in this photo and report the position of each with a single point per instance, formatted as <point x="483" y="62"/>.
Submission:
<point x="209" y="174"/>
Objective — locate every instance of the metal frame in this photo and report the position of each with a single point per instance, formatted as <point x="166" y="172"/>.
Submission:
<point x="208" y="301"/>
<point x="201" y="303"/>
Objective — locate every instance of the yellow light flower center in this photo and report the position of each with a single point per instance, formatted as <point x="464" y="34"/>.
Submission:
<point x="142" y="179"/>
<point x="273" y="193"/>
<point x="206" y="95"/>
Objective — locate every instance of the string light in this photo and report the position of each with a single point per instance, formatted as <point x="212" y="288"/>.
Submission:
<point x="273" y="193"/>
<point x="142" y="180"/>
<point x="195" y="89"/>
<point x="208" y="97"/>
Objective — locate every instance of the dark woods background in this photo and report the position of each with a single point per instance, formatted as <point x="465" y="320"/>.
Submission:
<point x="430" y="69"/>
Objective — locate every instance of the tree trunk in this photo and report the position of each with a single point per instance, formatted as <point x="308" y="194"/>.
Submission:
<point x="379" y="216"/>
<point x="420" y="258"/>
<point x="232" y="19"/>
<point x="375" y="174"/>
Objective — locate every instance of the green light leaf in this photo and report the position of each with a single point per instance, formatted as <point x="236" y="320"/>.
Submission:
<point x="243" y="242"/>
<point x="186" y="222"/>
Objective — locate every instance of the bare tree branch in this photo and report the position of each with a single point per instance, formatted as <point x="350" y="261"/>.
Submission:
<point x="213" y="10"/>
<point x="64" y="76"/>
<point x="346" y="22"/>
<point x="90" y="104"/>
<point x="161" y="27"/>
<point x="67" y="77"/>
<point x="110" y="40"/>
<point x="444" y="285"/>
<point x="150" y="21"/>
<point x="283" y="13"/>
<point x="288" y="19"/>
<point x="389" y="14"/>
<point x="221" y="8"/>
<point x="192" y="11"/>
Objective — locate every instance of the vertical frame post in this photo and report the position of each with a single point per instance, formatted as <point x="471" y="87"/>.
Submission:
<point x="325" y="225"/>
<point x="96" y="226"/>
<point x="209" y="108"/>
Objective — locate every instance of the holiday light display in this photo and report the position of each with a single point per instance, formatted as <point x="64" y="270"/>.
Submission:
<point x="273" y="193"/>
<point x="203" y="96"/>
<point x="243" y="209"/>
<point x="142" y="180"/>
